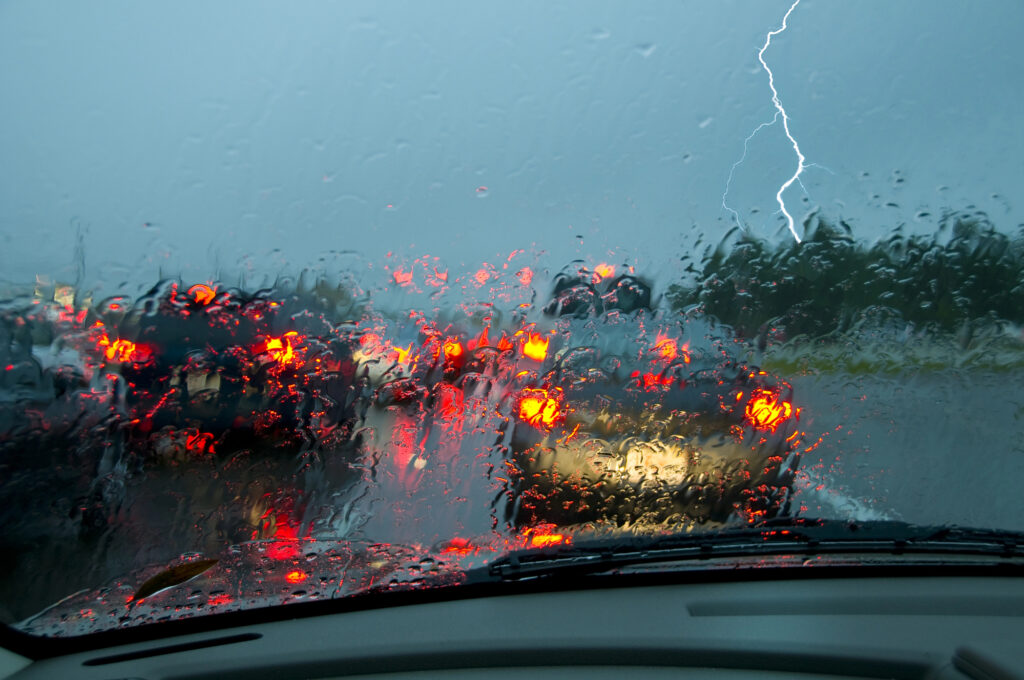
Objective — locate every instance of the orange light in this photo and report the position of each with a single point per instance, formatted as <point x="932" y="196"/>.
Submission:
<point x="482" y="276"/>
<point x="282" y="350"/>
<point x="123" y="350"/>
<point x="452" y="349"/>
<point x="219" y="599"/>
<point x="459" y="546"/>
<point x="202" y="294"/>
<point x="649" y="380"/>
<point x="400" y="354"/>
<point x="402" y="278"/>
<point x="604" y="271"/>
<point x="668" y="349"/>
<point x="765" y="411"/>
<point x="544" y="535"/>
<point x="525" y="276"/>
<point x="504" y="344"/>
<point x="369" y="341"/>
<point x="481" y="341"/>
<point x="540" y="407"/>
<point x="297" y="576"/>
<point x="544" y="540"/>
<point x="535" y="347"/>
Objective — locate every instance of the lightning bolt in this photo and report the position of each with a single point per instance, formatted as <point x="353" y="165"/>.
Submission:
<point x="732" y="170"/>
<point x="779" y="112"/>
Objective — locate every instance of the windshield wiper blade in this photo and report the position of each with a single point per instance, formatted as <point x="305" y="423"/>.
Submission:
<point x="794" y="536"/>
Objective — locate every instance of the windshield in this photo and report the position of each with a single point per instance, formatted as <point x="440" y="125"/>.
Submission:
<point x="305" y="302"/>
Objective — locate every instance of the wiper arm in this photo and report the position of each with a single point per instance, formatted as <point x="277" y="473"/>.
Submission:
<point x="796" y="536"/>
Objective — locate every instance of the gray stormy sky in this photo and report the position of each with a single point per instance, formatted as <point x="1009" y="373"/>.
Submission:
<point x="198" y="136"/>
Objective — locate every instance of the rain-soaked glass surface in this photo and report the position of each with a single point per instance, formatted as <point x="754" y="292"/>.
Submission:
<point x="301" y="302"/>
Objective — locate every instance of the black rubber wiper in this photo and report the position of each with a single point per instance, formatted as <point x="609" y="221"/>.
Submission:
<point x="796" y="536"/>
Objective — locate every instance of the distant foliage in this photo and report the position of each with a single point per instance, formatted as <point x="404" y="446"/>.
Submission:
<point x="965" y="272"/>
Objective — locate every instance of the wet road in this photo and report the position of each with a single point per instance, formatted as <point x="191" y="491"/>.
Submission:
<point x="933" y="448"/>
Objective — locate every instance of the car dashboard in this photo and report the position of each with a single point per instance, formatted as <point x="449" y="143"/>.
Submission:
<point x="897" y="625"/>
